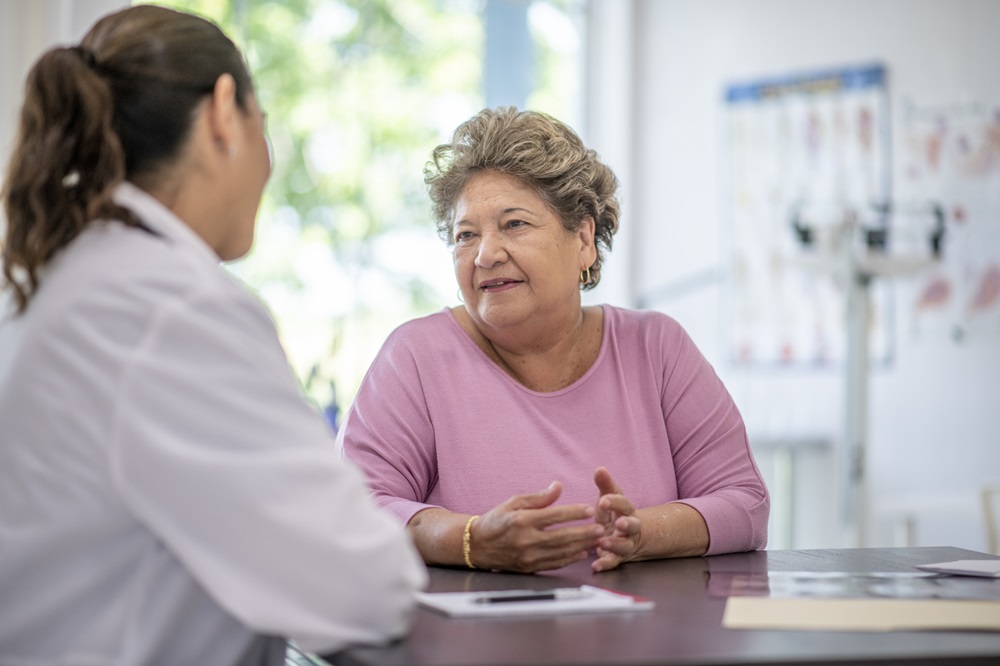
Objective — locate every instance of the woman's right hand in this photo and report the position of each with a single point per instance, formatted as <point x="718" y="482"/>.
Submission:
<point x="523" y="534"/>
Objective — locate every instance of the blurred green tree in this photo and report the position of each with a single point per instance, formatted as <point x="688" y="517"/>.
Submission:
<point x="357" y="93"/>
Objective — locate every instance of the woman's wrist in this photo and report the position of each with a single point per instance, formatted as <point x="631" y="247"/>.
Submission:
<point x="674" y="529"/>
<point x="437" y="533"/>
<point x="467" y="542"/>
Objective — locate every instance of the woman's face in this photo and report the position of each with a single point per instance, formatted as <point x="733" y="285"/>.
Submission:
<point x="514" y="260"/>
<point x="253" y="162"/>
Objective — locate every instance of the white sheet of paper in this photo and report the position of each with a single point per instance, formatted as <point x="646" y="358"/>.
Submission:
<point x="591" y="600"/>
<point x="987" y="568"/>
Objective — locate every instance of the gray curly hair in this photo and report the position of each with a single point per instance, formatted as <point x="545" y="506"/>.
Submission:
<point x="542" y="152"/>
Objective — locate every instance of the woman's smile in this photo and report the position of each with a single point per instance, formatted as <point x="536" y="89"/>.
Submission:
<point x="498" y="284"/>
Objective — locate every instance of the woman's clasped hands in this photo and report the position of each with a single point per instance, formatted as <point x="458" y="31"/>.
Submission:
<point x="621" y="526"/>
<point x="527" y="533"/>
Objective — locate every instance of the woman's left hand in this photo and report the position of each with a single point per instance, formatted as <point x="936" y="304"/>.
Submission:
<point x="622" y="526"/>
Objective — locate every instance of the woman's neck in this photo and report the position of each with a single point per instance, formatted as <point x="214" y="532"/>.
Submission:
<point x="544" y="363"/>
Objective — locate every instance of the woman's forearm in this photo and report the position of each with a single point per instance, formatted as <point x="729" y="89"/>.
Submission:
<point x="671" y="530"/>
<point x="437" y="534"/>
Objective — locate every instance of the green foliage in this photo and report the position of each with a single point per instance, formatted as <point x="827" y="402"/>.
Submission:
<point x="357" y="94"/>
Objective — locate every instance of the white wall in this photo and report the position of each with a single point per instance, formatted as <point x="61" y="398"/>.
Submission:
<point x="27" y="29"/>
<point x="934" y="435"/>
<point x="608" y="128"/>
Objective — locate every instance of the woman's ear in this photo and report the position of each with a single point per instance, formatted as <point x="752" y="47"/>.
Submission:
<point x="222" y="116"/>
<point x="586" y="234"/>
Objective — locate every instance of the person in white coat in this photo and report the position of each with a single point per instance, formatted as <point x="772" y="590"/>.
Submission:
<point x="167" y="496"/>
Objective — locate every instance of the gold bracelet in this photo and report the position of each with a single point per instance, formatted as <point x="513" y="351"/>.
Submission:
<point x="467" y="543"/>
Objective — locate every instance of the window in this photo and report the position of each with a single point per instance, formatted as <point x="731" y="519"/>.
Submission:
<point x="358" y="92"/>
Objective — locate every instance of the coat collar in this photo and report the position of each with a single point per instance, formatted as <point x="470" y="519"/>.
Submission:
<point x="161" y="221"/>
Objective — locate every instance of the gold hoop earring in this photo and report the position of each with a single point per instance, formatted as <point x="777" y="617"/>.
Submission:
<point x="585" y="276"/>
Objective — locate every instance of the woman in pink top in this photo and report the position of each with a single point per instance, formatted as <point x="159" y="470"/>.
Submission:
<point x="522" y="431"/>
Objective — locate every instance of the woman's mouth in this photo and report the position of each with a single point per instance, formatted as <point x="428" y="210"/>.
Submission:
<point x="499" y="284"/>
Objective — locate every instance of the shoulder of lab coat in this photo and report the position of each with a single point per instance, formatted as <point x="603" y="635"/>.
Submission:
<point x="214" y="448"/>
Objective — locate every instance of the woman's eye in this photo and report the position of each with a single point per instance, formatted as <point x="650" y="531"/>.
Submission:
<point x="463" y="236"/>
<point x="516" y="223"/>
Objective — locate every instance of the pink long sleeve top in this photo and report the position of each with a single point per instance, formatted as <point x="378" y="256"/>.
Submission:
<point x="436" y="423"/>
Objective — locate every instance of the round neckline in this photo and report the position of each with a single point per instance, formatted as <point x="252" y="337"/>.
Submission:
<point x="544" y="394"/>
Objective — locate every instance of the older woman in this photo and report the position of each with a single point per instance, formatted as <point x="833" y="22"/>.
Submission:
<point x="521" y="431"/>
<point x="166" y="496"/>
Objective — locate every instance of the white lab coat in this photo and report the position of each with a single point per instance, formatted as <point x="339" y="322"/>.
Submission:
<point x="166" y="494"/>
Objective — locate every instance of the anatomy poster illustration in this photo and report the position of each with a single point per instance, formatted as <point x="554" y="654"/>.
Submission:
<point x="812" y="146"/>
<point x="951" y="152"/>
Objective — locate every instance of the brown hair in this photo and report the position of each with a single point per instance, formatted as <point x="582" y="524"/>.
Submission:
<point x="118" y="106"/>
<point x="542" y="152"/>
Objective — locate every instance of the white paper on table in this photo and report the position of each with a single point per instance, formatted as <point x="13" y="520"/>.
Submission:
<point x="584" y="599"/>
<point x="987" y="568"/>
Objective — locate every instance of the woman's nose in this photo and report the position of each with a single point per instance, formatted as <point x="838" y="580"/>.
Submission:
<point x="492" y="250"/>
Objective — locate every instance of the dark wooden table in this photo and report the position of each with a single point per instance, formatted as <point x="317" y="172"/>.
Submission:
<point x="684" y="628"/>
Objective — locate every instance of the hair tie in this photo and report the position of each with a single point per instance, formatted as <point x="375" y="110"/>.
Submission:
<point x="86" y="55"/>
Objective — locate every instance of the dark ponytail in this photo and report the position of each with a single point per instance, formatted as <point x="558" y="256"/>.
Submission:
<point x="65" y="162"/>
<point x="118" y="106"/>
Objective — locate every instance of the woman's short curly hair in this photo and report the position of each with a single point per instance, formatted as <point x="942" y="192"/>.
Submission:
<point x="541" y="151"/>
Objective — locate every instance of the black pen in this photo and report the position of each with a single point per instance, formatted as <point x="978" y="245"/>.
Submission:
<point x="531" y="595"/>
